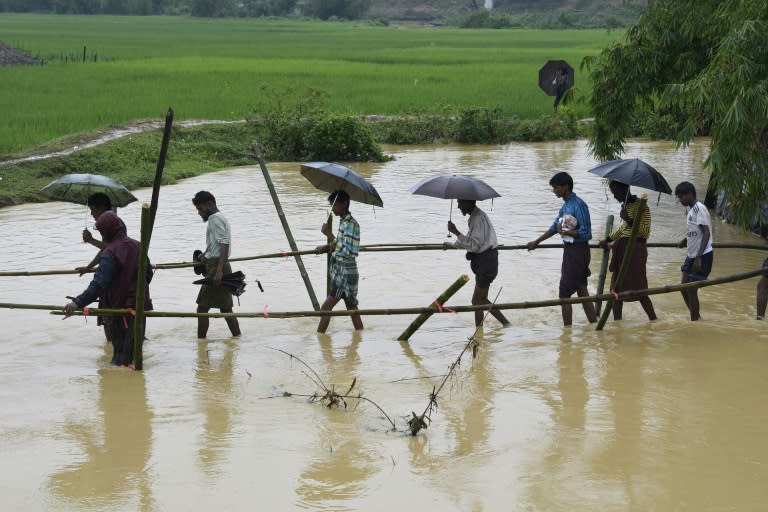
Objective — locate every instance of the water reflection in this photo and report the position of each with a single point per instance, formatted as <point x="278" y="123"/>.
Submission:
<point x="217" y="401"/>
<point x="342" y="460"/>
<point x="114" y="474"/>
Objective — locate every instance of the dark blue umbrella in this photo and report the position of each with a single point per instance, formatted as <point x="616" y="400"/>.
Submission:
<point x="330" y="177"/>
<point x="634" y="172"/>
<point x="234" y="282"/>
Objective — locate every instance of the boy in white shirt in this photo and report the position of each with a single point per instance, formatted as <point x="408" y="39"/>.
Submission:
<point x="698" y="239"/>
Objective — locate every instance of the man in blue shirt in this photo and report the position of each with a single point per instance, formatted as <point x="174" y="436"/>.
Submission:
<point x="576" y="256"/>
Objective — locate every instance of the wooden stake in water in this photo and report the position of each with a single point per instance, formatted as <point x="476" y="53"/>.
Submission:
<point x="447" y="294"/>
<point x="141" y="284"/>
<point x="604" y="263"/>
<point x="286" y="228"/>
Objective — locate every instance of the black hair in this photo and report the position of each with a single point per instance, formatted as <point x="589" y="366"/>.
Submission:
<point x="203" y="197"/>
<point x="622" y="187"/>
<point x="338" y="197"/>
<point x="101" y="200"/>
<point x="560" y="179"/>
<point x="685" y="187"/>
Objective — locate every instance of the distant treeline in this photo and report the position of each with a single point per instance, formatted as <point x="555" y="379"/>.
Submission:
<point x="323" y="9"/>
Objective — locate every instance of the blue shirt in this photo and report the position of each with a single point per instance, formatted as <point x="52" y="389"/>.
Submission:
<point x="576" y="206"/>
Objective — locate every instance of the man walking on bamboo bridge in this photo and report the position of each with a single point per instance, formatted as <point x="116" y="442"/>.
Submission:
<point x="218" y="237"/>
<point x="480" y="243"/>
<point x="344" y="249"/>
<point x="575" y="226"/>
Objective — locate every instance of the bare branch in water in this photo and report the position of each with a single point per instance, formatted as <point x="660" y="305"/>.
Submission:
<point x="329" y="397"/>
<point x="417" y="423"/>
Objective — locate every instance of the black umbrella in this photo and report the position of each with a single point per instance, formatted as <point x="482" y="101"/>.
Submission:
<point x="547" y="75"/>
<point x="633" y="171"/>
<point x="234" y="282"/>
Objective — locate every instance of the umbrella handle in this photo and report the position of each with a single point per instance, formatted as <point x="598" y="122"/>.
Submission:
<point x="450" y="212"/>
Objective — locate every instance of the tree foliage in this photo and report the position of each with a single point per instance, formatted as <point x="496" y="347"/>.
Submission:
<point x="703" y="62"/>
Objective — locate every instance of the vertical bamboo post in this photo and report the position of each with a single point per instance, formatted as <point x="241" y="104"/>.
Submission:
<point x="447" y="294"/>
<point x="159" y="169"/>
<point x="624" y="261"/>
<point x="286" y="227"/>
<point x="141" y="284"/>
<point x="328" y="283"/>
<point x="604" y="263"/>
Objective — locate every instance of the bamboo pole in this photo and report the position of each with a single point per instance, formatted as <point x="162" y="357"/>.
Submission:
<point x="159" y="170"/>
<point x="369" y="248"/>
<point x="286" y="227"/>
<point x="442" y="299"/>
<point x="141" y="284"/>
<point x="604" y="263"/>
<point x="328" y="283"/>
<point x="624" y="262"/>
<point x="631" y="294"/>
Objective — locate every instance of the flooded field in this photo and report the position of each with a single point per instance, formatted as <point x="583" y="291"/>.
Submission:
<point x="667" y="415"/>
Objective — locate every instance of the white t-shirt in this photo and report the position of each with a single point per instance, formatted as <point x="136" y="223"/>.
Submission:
<point x="216" y="233"/>
<point x="698" y="216"/>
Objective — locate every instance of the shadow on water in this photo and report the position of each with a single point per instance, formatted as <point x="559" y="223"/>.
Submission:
<point x="114" y="472"/>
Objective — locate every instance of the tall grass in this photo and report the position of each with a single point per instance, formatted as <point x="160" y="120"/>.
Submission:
<point x="214" y="69"/>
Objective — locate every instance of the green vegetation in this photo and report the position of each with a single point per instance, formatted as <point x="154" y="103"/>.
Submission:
<point x="131" y="160"/>
<point x="690" y="74"/>
<point x="215" y="69"/>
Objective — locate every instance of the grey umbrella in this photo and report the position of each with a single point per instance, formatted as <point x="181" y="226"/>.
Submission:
<point x="449" y="186"/>
<point x="77" y="188"/>
<point x="330" y="177"/>
<point x="633" y="171"/>
<point x="446" y="186"/>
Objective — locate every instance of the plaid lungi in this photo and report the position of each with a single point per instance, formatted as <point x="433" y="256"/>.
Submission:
<point x="344" y="279"/>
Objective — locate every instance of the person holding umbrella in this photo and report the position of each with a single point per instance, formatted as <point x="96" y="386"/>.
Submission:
<point x="218" y="236"/>
<point x="480" y="243"/>
<point x="576" y="256"/>
<point x="617" y="241"/>
<point x="344" y="249"/>
<point x="115" y="281"/>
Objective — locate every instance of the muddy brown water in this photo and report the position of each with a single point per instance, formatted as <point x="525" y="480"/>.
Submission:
<point x="668" y="415"/>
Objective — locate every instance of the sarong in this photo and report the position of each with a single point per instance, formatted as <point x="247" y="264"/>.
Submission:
<point x="213" y="296"/>
<point x="635" y="278"/>
<point x="485" y="265"/>
<point x="344" y="280"/>
<point x="575" y="268"/>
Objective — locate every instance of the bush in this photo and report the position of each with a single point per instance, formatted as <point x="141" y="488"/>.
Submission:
<point x="341" y="138"/>
<point x="297" y="127"/>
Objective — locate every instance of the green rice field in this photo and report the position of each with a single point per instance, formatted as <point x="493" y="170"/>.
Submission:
<point x="217" y="69"/>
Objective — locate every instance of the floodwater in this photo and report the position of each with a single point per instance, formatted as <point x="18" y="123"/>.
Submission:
<point x="668" y="415"/>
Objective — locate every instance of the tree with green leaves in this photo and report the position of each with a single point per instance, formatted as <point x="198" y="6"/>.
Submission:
<point x="704" y="64"/>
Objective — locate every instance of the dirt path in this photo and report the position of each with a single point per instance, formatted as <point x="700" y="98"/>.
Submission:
<point x="105" y="135"/>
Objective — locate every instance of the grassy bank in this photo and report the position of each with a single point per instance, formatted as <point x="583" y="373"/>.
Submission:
<point x="215" y="69"/>
<point x="131" y="160"/>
